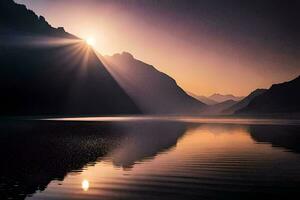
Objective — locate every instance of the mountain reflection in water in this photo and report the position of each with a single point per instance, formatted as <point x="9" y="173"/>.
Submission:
<point x="148" y="160"/>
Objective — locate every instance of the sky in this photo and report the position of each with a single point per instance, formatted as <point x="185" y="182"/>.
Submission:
<point x="208" y="46"/>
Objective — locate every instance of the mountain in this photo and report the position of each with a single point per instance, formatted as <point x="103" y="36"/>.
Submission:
<point x="280" y="98"/>
<point x="218" y="108"/>
<point x="203" y="99"/>
<point x="153" y="91"/>
<point x="244" y="102"/>
<point x="221" y="98"/>
<point x="47" y="71"/>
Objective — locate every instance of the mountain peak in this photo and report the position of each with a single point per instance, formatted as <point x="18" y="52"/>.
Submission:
<point x="203" y="99"/>
<point x="61" y="29"/>
<point x="221" y="98"/>
<point x="127" y="54"/>
<point x="218" y="94"/>
<point x="124" y="56"/>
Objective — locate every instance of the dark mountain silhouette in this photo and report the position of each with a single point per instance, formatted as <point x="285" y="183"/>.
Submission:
<point x="203" y="99"/>
<point x="279" y="99"/>
<point x="243" y="103"/>
<point x="217" y="109"/>
<point x="46" y="71"/>
<point x="221" y="98"/>
<point x="154" y="91"/>
<point x="16" y="18"/>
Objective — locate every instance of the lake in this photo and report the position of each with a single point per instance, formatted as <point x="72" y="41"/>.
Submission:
<point x="149" y="158"/>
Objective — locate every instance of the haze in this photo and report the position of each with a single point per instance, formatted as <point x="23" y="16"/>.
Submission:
<point x="207" y="46"/>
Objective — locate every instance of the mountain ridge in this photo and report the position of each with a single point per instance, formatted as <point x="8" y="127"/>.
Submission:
<point x="218" y="108"/>
<point x="221" y="97"/>
<point x="244" y="102"/>
<point x="55" y="73"/>
<point x="203" y="99"/>
<point x="279" y="98"/>
<point x="155" y="91"/>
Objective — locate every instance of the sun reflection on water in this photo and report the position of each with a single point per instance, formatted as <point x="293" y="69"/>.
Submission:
<point x="85" y="184"/>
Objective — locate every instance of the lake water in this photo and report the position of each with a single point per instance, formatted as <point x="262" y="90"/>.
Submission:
<point x="149" y="158"/>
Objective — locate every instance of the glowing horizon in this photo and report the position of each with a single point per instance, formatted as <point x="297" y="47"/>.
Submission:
<point x="192" y="51"/>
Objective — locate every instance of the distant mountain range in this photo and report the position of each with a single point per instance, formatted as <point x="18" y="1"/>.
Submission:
<point x="47" y="71"/>
<point x="221" y="98"/>
<point x="215" y="98"/>
<point x="153" y="91"/>
<point x="282" y="98"/>
<point x="203" y="99"/>
<point x="217" y="109"/>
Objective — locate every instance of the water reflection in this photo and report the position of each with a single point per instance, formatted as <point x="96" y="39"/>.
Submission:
<point x="143" y="141"/>
<point x="85" y="184"/>
<point x="148" y="160"/>
<point x="287" y="137"/>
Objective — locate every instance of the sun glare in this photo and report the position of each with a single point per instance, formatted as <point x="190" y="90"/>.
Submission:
<point x="85" y="184"/>
<point x="90" y="41"/>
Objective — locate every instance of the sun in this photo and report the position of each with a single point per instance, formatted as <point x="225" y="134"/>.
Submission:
<point x="90" y="41"/>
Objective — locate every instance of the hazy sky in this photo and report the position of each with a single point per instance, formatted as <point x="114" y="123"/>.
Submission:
<point x="208" y="46"/>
